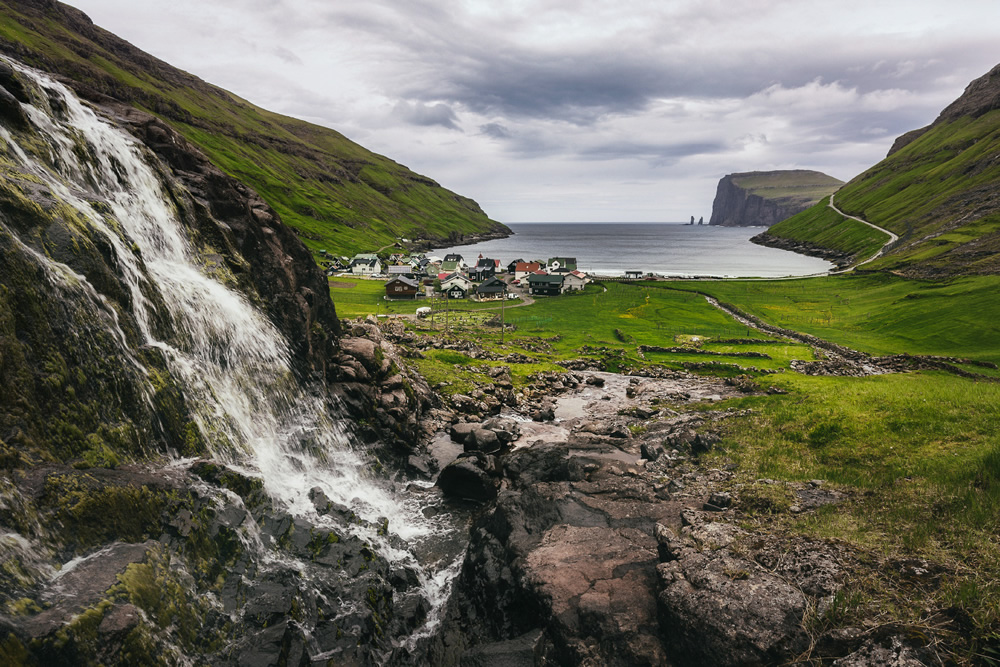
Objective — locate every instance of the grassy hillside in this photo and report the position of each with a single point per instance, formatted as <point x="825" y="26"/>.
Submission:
<point x="936" y="190"/>
<point x="337" y="194"/>
<point x="877" y="313"/>
<point x="824" y="227"/>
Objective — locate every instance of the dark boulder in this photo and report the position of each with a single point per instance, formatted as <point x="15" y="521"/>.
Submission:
<point x="470" y="478"/>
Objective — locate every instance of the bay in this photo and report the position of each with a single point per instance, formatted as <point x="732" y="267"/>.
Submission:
<point x="669" y="249"/>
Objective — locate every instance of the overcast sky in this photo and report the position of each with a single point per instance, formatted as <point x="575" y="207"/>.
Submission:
<point x="585" y="110"/>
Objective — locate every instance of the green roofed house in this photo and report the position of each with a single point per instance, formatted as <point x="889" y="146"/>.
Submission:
<point x="545" y="284"/>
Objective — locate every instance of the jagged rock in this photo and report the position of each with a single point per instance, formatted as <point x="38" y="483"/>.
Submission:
<point x="717" y="608"/>
<point x="721" y="499"/>
<point x="891" y="652"/>
<point x="364" y="350"/>
<point x="524" y="651"/>
<point x="11" y="111"/>
<point x="651" y="451"/>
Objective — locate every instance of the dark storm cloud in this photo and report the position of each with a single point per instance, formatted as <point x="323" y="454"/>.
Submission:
<point x="426" y="114"/>
<point x="657" y="154"/>
<point x="495" y="130"/>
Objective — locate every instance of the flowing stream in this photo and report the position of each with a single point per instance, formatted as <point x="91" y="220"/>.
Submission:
<point x="233" y="363"/>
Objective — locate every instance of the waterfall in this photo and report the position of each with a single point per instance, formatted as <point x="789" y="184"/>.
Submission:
<point x="233" y="363"/>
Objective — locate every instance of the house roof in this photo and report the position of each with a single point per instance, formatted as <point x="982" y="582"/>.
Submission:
<point x="453" y="257"/>
<point x="545" y="279"/>
<point x="452" y="277"/>
<point x="527" y="267"/>
<point x="406" y="281"/>
<point x="401" y="269"/>
<point x="492" y="286"/>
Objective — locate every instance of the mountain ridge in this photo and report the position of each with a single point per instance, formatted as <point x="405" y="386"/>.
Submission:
<point x="338" y="195"/>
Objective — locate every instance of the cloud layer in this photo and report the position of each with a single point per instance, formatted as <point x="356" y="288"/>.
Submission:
<point x="588" y="111"/>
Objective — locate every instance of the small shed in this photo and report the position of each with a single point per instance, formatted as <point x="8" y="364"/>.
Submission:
<point x="633" y="275"/>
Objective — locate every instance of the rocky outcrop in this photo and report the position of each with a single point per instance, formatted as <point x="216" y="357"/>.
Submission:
<point x="765" y="198"/>
<point x="841" y="259"/>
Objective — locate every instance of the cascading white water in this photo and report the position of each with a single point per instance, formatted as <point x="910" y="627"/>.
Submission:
<point x="233" y="363"/>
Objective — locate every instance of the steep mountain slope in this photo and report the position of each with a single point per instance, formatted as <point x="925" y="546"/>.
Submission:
<point x="937" y="189"/>
<point x="338" y="195"/>
<point x="764" y="198"/>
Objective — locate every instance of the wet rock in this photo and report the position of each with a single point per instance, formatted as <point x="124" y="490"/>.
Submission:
<point x="461" y="430"/>
<point x="468" y="477"/>
<point x="482" y="440"/>
<point x="11" y="111"/>
<point x="546" y="413"/>
<point x="507" y="430"/>
<point x="523" y="651"/>
<point x="11" y="81"/>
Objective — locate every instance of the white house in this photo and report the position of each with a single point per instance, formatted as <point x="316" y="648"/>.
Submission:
<point x="574" y="281"/>
<point x="455" y="279"/>
<point x="366" y="264"/>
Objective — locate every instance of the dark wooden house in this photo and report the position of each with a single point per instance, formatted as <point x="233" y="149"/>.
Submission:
<point x="402" y="287"/>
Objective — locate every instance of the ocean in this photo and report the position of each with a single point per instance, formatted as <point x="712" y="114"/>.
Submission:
<point x="669" y="249"/>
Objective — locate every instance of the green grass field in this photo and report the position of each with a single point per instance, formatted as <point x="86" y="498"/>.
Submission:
<point x="917" y="454"/>
<point x="877" y="313"/>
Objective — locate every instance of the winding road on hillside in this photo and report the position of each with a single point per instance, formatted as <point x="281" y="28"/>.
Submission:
<point x="885" y="246"/>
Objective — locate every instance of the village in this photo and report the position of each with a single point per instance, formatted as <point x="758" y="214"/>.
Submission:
<point x="421" y="275"/>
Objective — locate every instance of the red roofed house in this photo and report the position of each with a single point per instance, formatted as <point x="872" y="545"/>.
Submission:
<point x="524" y="269"/>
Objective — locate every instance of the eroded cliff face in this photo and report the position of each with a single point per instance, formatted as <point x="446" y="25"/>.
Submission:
<point x="762" y="199"/>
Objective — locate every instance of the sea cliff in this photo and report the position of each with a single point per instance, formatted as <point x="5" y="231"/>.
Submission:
<point x="765" y="198"/>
